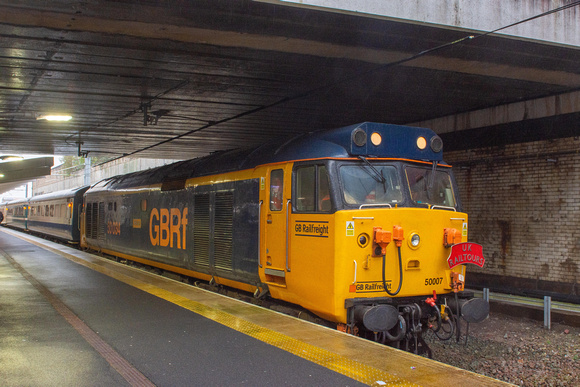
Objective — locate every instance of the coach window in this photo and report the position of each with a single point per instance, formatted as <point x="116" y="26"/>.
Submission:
<point x="312" y="189"/>
<point x="46" y="210"/>
<point x="52" y="210"/>
<point x="276" y="189"/>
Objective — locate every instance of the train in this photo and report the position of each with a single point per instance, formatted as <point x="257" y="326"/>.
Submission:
<point x="357" y="225"/>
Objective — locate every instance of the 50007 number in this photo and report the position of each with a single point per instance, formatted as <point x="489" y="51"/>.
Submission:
<point x="433" y="281"/>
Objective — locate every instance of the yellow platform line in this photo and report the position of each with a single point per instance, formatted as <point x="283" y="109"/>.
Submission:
<point x="343" y="365"/>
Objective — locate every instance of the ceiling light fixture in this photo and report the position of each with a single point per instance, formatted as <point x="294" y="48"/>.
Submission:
<point x="54" y="117"/>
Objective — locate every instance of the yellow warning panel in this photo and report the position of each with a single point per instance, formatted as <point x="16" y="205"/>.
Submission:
<point x="350" y="228"/>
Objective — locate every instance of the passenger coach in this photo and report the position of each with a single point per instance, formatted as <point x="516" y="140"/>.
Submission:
<point x="16" y="215"/>
<point x="57" y="214"/>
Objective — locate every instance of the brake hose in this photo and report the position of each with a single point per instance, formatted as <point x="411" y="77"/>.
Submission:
<point x="400" y="274"/>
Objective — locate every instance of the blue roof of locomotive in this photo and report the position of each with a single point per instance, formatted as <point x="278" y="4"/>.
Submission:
<point x="397" y="142"/>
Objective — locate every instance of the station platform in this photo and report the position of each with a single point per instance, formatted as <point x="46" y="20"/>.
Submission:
<point x="70" y="318"/>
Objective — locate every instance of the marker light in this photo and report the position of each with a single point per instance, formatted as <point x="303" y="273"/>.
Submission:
<point x="54" y="118"/>
<point x="421" y="143"/>
<point x="376" y="139"/>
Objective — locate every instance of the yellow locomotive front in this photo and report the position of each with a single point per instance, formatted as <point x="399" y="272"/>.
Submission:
<point x="393" y="275"/>
<point x="364" y="238"/>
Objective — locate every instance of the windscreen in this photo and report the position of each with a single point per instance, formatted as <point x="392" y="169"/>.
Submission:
<point x="366" y="184"/>
<point x="428" y="187"/>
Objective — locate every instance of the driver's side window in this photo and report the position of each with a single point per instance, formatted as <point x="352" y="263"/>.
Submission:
<point x="312" y="190"/>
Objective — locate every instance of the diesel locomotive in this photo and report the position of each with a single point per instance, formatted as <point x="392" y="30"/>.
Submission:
<point x="358" y="225"/>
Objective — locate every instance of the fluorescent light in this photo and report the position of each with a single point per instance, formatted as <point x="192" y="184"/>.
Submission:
<point x="11" y="158"/>
<point x="54" y="118"/>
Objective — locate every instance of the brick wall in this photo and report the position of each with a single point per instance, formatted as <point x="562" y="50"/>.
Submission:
<point x="523" y="202"/>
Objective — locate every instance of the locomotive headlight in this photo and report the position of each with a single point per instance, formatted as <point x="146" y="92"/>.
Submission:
<point x="359" y="137"/>
<point x="414" y="241"/>
<point x="436" y="144"/>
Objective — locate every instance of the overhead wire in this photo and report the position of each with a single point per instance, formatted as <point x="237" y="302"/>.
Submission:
<point x="361" y="74"/>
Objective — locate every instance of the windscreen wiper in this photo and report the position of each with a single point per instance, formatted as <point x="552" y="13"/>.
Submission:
<point x="431" y="179"/>
<point x="378" y="176"/>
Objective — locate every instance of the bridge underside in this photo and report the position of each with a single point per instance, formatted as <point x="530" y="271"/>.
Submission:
<point x="180" y="79"/>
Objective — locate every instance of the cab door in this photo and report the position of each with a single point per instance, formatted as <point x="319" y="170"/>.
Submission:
<point x="277" y="208"/>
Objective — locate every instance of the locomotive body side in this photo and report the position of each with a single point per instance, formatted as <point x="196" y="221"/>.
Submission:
<point x="204" y="227"/>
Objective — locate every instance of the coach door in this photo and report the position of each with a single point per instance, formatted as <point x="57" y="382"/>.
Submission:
<point x="275" y="256"/>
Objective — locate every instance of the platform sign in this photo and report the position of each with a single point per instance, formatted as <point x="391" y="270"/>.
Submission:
<point x="467" y="252"/>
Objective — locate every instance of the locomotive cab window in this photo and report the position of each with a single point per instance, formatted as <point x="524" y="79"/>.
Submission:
<point x="276" y="189"/>
<point x="312" y="189"/>
<point x="428" y="188"/>
<point x="370" y="184"/>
